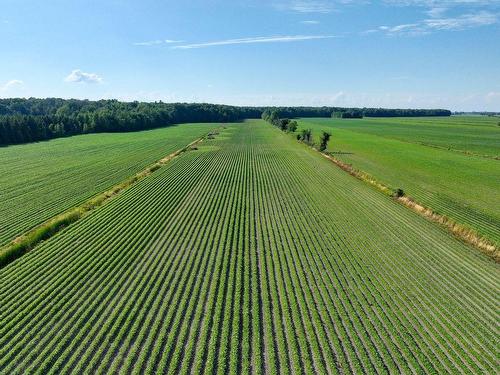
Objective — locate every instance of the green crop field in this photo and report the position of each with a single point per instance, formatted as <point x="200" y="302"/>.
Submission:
<point x="446" y="164"/>
<point x="40" y="180"/>
<point x="252" y="253"/>
<point x="472" y="134"/>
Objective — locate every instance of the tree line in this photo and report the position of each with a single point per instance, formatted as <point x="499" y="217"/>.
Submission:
<point x="290" y="126"/>
<point x="29" y="120"/>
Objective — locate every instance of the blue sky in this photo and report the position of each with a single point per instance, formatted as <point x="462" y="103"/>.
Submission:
<point x="392" y="53"/>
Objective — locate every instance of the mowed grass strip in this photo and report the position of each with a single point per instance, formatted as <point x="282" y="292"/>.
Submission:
<point x="251" y="254"/>
<point x="41" y="180"/>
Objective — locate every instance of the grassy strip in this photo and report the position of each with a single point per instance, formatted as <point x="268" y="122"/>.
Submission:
<point x="26" y="242"/>
<point x="462" y="232"/>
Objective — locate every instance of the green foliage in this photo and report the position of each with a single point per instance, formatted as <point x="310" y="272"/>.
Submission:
<point x="398" y="193"/>
<point x="250" y="255"/>
<point x="41" y="233"/>
<point x="353" y="113"/>
<point x="306" y="136"/>
<point x="51" y="177"/>
<point x="446" y="164"/>
<point x="29" y="120"/>
<point x="323" y="141"/>
<point x="271" y="116"/>
<point x="292" y="126"/>
<point x="283" y="124"/>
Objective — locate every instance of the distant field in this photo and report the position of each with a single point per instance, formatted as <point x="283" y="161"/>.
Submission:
<point x="461" y="186"/>
<point x="251" y="254"/>
<point x="40" y="180"/>
<point x="473" y="134"/>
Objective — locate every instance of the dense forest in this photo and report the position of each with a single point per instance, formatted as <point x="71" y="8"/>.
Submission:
<point x="29" y="120"/>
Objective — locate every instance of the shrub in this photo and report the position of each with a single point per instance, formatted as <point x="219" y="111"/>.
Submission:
<point x="398" y="193"/>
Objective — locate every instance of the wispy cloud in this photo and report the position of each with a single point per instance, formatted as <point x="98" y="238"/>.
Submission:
<point x="10" y="84"/>
<point x="263" y="39"/>
<point x="442" y="3"/>
<point x="310" y="22"/>
<point x="436" y="12"/>
<point x="399" y="28"/>
<point x="312" y="6"/>
<point x="157" y="42"/>
<point x="305" y="6"/>
<point x="77" y="76"/>
<point x="429" y="25"/>
<point x="465" y="21"/>
<point x="149" y="43"/>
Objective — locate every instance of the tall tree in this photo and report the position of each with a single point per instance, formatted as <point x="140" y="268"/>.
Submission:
<point x="325" y="137"/>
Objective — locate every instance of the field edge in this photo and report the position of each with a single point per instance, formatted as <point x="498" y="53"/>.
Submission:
<point x="462" y="232"/>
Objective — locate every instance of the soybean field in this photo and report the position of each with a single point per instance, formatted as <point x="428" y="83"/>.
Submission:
<point x="250" y="254"/>
<point x="40" y="180"/>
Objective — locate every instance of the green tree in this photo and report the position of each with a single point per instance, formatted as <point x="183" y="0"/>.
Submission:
<point x="325" y="137"/>
<point x="283" y="124"/>
<point x="306" y="135"/>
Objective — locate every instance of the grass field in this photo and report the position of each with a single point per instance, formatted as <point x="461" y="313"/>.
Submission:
<point x="46" y="178"/>
<point x="471" y="134"/>
<point x="398" y="153"/>
<point x="251" y="254"/>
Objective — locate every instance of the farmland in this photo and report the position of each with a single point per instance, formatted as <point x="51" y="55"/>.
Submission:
<point x="47" y="178"/>
<point x="446" y="164"/>
<point x="469" y="134"/>
<point x="252" y="253"/>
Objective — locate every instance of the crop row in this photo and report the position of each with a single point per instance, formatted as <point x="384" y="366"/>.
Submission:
<point x="44" y="179"/>
<point x="251" y="254"/>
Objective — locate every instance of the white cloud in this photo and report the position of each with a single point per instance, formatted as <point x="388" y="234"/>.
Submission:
<point x="370" y="31"/>
<point x="436" y="12"/>
<point x="305" y="6"/>
<point x="465" y="21"/>
<point x="263" y="39"/>
<point x="444" y="15"/>
<point x="149" y="43"/>
<point x="81" y="77"/>
<point x="310" y="22"/>
<point x="337" y="97"/>
<point x="441" y="3"/>
<point x="400" y="28"/>
<point x="157" y="42"/>
<point x="429" y="25"/>
<point x="493" y="97"/>
<point x="10" y="84"/>
<point x="312" y="6"/>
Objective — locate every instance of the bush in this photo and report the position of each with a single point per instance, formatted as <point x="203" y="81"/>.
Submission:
<point x="398" y="193"/>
